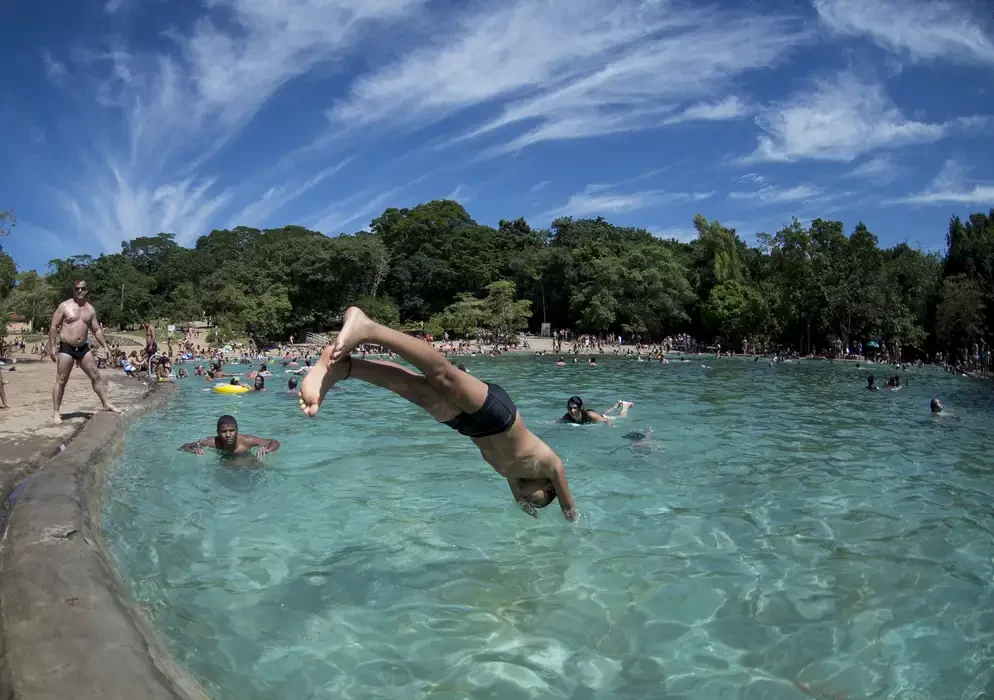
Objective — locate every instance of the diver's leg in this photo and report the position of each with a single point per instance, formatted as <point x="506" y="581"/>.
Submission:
<point x="461" y="388"/>
<point x="387" y="375"/>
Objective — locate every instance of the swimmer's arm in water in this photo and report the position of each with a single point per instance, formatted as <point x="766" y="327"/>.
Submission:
<point x="197" y="447"/>
<point x="595" y="417"/>
<point x="265" y="446"/>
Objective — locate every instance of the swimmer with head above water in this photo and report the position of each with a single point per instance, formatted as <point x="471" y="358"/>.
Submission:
<point x="228" y="440"/>
<point x="576" y="413"/>
<point x="481" y="411"/>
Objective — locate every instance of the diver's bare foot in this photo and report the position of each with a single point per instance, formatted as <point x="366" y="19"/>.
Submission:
<point x="112" y="408"/>
<point x="352" y="333"/>
<point x="319" y="381"/>
<point x="56" y="417"/>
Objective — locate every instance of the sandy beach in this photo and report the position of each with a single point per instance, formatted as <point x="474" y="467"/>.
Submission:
<point x="28" y="438"/>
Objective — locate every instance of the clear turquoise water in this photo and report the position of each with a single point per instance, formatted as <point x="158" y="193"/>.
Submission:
<point x="788" y="535"/>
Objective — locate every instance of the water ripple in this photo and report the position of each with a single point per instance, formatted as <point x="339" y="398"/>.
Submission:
<point x="786" y="534"/>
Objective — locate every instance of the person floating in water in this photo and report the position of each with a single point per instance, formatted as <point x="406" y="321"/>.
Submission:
<point x="870" y="386"/>
<point x="481" y="411"/>
<point x="936" y="406"/>
<point x="291" y="385"/>
<point x="576" y="413"/>
<point x="230" y="441"/>
<point x="73" y="321"/>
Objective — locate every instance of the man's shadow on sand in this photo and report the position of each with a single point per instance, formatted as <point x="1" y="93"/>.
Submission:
<point x="76" y="414"/>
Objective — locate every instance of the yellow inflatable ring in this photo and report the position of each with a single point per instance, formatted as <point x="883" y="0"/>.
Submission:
<point x="230" y="389"/>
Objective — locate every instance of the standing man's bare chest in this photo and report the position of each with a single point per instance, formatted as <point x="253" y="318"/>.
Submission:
<point x="75" y="313"/>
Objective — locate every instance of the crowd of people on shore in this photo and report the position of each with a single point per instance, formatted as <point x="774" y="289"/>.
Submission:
<point x="75" y="320"/>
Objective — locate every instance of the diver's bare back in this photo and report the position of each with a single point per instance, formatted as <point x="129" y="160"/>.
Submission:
<point x="517" y="453"/>
<point x="76" y="319"/>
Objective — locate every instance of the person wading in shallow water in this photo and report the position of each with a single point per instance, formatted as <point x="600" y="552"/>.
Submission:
<point x="73" y="321"/>
<point x="481" y="411"/>
<point x="228" y="440"/>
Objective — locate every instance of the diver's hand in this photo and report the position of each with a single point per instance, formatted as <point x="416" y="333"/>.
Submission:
<point x="262" y="451"/>
<point x="571" y="514"/>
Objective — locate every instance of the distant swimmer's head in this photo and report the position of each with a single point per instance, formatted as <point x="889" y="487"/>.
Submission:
<point x="936" y="406"/>
<point x="260" y="382"/>
<point x="227" y="430"/>
<point x="292" y="383"/>
<point x="463" y="368"/>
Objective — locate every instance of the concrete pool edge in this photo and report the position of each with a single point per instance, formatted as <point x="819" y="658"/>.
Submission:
<point x="68" y="625"/>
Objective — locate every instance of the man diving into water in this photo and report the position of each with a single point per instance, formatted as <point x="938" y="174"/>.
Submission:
<point x="230" y="441"/>
<point x="73" y="320"/>
<point x="481" y="411"/>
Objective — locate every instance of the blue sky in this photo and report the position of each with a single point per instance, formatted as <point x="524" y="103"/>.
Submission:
<point x="130" y="117"/>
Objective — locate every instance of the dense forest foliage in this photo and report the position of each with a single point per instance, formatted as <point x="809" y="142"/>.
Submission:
<point x="803" y="287"/>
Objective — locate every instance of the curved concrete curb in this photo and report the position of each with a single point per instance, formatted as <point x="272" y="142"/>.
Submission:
<point x="68" y="627"/>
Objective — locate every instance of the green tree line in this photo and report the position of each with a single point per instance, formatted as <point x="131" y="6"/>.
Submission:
<point x="434" y="267"/>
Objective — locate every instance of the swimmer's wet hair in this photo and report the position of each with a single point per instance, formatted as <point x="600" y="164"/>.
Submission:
<point x="226" y="420"/>
<point x="575" y="401"/>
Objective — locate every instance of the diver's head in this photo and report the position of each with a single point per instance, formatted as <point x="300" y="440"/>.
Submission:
<point x="227" y="430"/>
<point x="936" y="406"/>
<point x="292" y="383"/>
<point x="536" y="492"/>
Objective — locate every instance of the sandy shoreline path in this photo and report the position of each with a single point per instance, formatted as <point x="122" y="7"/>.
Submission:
<point x="28" y="438"/>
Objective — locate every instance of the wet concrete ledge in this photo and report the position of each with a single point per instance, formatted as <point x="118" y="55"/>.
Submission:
<point x="68" y="626"/>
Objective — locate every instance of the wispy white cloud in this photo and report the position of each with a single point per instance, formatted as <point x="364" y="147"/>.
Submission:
<point x="276" y="197"/>
<point x="950" y="186"/>
<point x="113" y="208"/>
<point x="592" y="67"/>
<point x="332" y="219"/>
<point x="541" y="185"/>
<point x="178" y="108"/>
<point x="753" y="177"/>
<point x="725" y="110"/>
<point x="684" y="234"/>
<point x="55" y="71"/>
<point x="882" y="169"/>
<point x="841" y="118"/>
<point x="594" y="200"/>
<point x="922" y="30"/>
<point x="458" y="195"/>
<point x="769" y="194"/>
